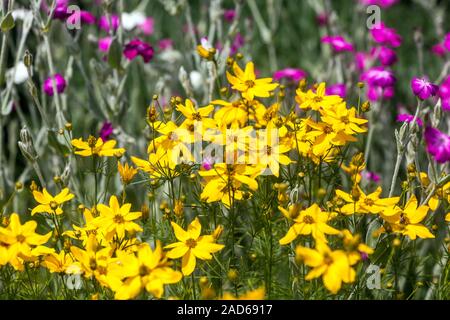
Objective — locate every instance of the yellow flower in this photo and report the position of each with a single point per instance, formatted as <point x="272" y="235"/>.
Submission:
<point x="158" y="165"/>
<point x="205" y="50"/>
<point x="82" y="233"/>
<point x="257" y="294"/>
<point x="271" y="153"/>
<point x="358" y="202"/>
<point x="95" y="146"/>
<point x="343" y="119"/>
<point x="248" y="85"/>
<point x="57" y="262"/>
<point x="192" y="115"/>
<point x="447" y="217"/>
<point x="354" y="247"/>
<point x="316" y="100"/>
<point x="18" y="241"/>
<point x="149" y="270"/>
<point x="231" y="113"/>
<point x="408" y="221"/>
<point x="50" y="204"/>
<point x="116" y="219"/>
<point x="312" y="221"/>
<point x="126" y="172"/>
<point x="192" y="246"/>
<point x="333" y="266"/>
<point x="224" y="181"/>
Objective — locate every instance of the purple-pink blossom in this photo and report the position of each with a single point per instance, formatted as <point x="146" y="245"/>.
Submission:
<point x="105" y="23"/>
<point x="385" y="55"/>
<point x="322" y="19"/>
<point x="136" y="48"/>
<point x="382" y="3"/>
<point x="293" y="74"/>
<point x="423" y="88"/>
<point x="229" y="15"/>
<point x="84" y="17"/>
<point x="375" y="93"/>
<point x="338" y="89"/>
<point x="438" y="49"/>
<point x="438" y="144"/>
<point x="165" y="44"/>
<point x="106" y="131"/>
<point x="148" y="26"/>
<point x="104" y="44"/>
<point x="404" y="117"/>
<point x="379" y="77"/>
<point x="338" y="43"/>
<point x="386" y="36"/>
<point x="60" y="84"/>
<point x="447" y="41"/>
<point x="370" y="176"/>
<point x="238" y="42"/>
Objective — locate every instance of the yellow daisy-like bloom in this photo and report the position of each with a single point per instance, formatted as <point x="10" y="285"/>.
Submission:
<point x="447" y="217"/>
<point x="272" y="153"/>
<point x="358" y="202"/>
<point x="343" y="119"/>
<point x="192" y="246"/>
<point x="192" y="114"/>
<point x="19" y="241"/>
<point x="149" y="270"/>
<point x="116" y="219"/>
<point x="317" y="100"/>
<point x="50" y="204"/>
<point x="58" y="262"/>
<point x="312" y="221"/>
<point x="231" y="113"/>
<point x="95" y="146"/>
<point x="334" y="266"/>
<point x="82" y="232"/>
<point x="354" y="247"/>
<point x="245" y="81"/>
<point x="408" y="221"/>
<point x="257" y="294"/>
<point x="126" y="172"/>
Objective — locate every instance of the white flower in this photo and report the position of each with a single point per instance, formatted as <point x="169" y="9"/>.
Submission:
<point x="196" y="80"/>
<point x="20" y="75"/>
<point x="132" y="20"/>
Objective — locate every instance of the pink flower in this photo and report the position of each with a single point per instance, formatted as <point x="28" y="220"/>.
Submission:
<point x="290" y="73"/>
<point x="136" y="48"/>
<point x="447" y="41"/>
<point x="238" y="43"/>
<point x="423" y="89"/>
<point x="104" y="44"/>
<point x="371" y="176"/>
<point x="444" y="94"/>
<point x="337" y="90"/>
<point x="207" y="163"/>
<point x="382" y="3"/>
<point x="147" y="27"/>
<point x="385" y="55"/>
<point x="338" y="43"/>
<point x="404" y="117"/>
<point x="60" y="11"/>
<point x="165" y="44"/>
<point x="379" y="77"/>
<point x="106" y="131"/>
<point x="361" y="60"/>
<point x="385" y="36"/>
<point x="438" y="49"/>
<point x="375" y="93"/>
<point x="104" y="23"/>
<point x="438" y="144"/>
<point x="60" y="84"/>
<point x="322" y="19"/>
<point x="229" y="15"/>
<point x="83" y="16"/>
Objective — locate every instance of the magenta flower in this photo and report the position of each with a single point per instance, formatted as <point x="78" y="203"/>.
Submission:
<point x="444" y="94"/>
<point x="207" y="163"/>
<point x="371" y="176"/>
<point x="438" y="49"/>
<point x="85" y="17"/>
<point x="104" y="44"/>
<point x="336" y="90"/>
<point x="148" y="26"/>
<point x="229" y="15"/>
<point x="60" y="84"/>
<point x="60" y="11"/>
<point x="386" y="36"/>
<point x="106" y="131"/>
<point x="289" y="73"/>
<point x="165" y="44"/>
<point x="136" y="48"/>
<point x="104" y="23"/>
<point x="404" y="117"/>
<point x="377" y="93"/>
<point x="385" y="55"/>
<point x="361" y="60"/>
<point x="447" y="41"/>
<point x="438" y="144"/>
<point x="322" y="19"/>
<point x="238" y="43"/>
<point x="423" y="89"/>
<point x="338" y="43"/>
<point x="382" y="3"/>
<point x="379" y="77"/>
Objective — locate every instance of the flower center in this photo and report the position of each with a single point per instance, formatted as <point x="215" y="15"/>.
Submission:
<point x="308" y="219"/>
<point x="345" y="119"/>
<point x="327" y="260"/>
<point x="318" y="99"/>
<point x="118" y="218"/>
<point x="268" y="150"/>
<point x="328" y="129"/>
<point x="143" y="271"/>
<point x="91" y="142"/>
<point x="369" y="202"/>
<point x="53" y="205"/>
<point x="404" y="220"/>
<point x="250" y="83"/>
<point x="197" y="116"/>
<point x="20" y="238"/>
<point x="191" y="243"/>
<point x="92" y="264"/>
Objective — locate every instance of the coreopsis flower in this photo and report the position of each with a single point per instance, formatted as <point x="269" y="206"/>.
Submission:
<point x="60" y="84"/>
<point x="115" y="220"/>
<point x="385" y="36"/>
<point x="334" y="266"/>
<point x="126" y="172"/>
<point x="20" y="240"/>
<point x="338" y="89"/>
<point x="97" y="147"/>
<point x="107" y="23"/>
<point x="359" y="202"/>
<point x="231" y="113"/>
<point x="338" y="43"/>
<point x="409" y="118"/>
<point x="245" y="81"/>
<point x="82" y="233"/>
<point x="192" y="246"/>
<point x="438" y="144"/>
<point x="271" y="154"/>
<point x="136" y="48"/>
<point x="223" y="182"/>
<point x="50" y="204"/>
<point x="58" y="262"/>
<point x="106" y="131"/>
<point x="423" y="89"/>
<point x="356" y="250"/>
<point x="379" y="77"/>
<point x="317" y="99"/>
<point x="159" y="164"/>
<point x="408" y="220"/>
<point x="343" y="119"/>
<point x="311" y="221"/>
<point x="205" y="49"/>
<point x="447" y="217"/>
<point x="193" y="114"/>
<point x="147" y="269"/>
<point x="292" y="74"/>
<point x="257" y="294"/>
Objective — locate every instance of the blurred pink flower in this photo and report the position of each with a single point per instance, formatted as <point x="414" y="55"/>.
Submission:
<point x="136" y="48"/>
<point x="83" y="16"/>
<point x="336" y="89"/>
<point x="238" y="43"/>
<point x="322" y="19"/>
<point x="229" y="15"/>
<point x="60" y="84"/>
<point x="385" y="55"/>
<point x="438" y="49"/>
<point x="338" y="43"/>
<point x="382" y="3"/>
<point x="104" y="23"/>
<point x="104" y="44"/>
<point x="423" y="88"/>
<point x="147" y="27"/>
<point x="379" y="77"/>
<point x="361" y="60"/>
<point x="438" y="144"/>
<point x="447" y="41"/>
<point x="404" y="117"/>
<point x="386" y="36"/>
<point x="165" y="44"/>
<point x="375" y="93"/>
<point x="289" y="73"/>
<point x="370" y="176"/>
<point x="106" y="131"/>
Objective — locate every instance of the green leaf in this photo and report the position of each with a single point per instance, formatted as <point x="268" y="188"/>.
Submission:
<point x="115" y="54"/>
<point x="7" y="22"/>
